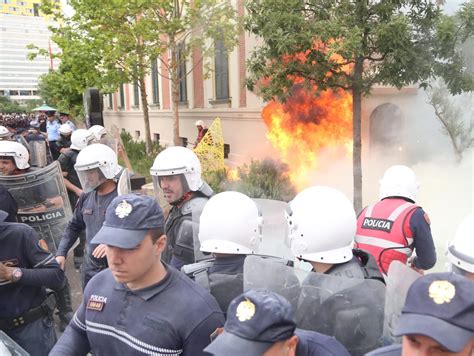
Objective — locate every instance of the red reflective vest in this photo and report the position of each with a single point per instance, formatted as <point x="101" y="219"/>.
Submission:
<point x="383" y="229"/>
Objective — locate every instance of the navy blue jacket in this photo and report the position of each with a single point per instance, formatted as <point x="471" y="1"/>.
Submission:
<point x="20" y="248"/>
<point x="313" y="343"/>
<point x="172" y="317"/>
<point x="8" y="204"/>
<point x="392" y="350"/>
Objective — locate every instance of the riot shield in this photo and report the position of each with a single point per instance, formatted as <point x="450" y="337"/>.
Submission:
<point x="225" y="287"/>
<point x="274" y="233"/>
<point x="273" y="274"/>
<point x="112" y="142"/>
<point x="196" y="206"/>
<point x="42" y="201"/>
<point x="9" y="347"/>
<point x="351" y="310"/>
<point x="123" y="184"/>
<point x="38" y="153"/>
<point x="399" y="279"/>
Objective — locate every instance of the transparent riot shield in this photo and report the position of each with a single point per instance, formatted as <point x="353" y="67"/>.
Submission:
<point x="196" y="206"/>
<point x="275" y="275"/>
<point x="9" y="347"/>
<point x="123" y="184"/>
<point x="351" y="310"/>
<point x="42" y="201"/>
<point x="275" y="231"/>
<point x="112" y="142"/>
<point x="399" y="279"/>
<point x="38" y="153"/>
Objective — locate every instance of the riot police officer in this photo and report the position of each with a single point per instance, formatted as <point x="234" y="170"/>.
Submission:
<point x="347" y="292"/>
<point x="52" y="128"/>
<point x="64" y="140"/>
<point x="14" y="161"/>
<point x="67" y="159"/>
<point x="322" y="223"/>
<point x="26" y="268"/>
<point x="177" y="171"/>
<point x="139" y="305"/>
<point x="460" y="251"/>
<point x="395" y="226"/>
<point x="230" y="228"/>
<point x="98" y="172"/>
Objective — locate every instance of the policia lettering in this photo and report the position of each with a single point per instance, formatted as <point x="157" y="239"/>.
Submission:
<point x="377" y="224"/>
<point x="32" y="218"/>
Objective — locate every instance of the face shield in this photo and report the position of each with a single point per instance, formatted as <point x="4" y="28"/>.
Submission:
<point x="91" y="178"/>
<point x="173" y="187"/>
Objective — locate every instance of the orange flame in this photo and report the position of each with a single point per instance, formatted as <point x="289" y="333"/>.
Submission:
<point x="306" y="124"/>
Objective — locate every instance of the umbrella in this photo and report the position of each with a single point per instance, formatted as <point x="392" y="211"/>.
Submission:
<point x="44" y="107"/>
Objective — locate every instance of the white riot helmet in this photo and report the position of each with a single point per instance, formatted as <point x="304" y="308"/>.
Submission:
<point x="98" y="131"/>
<point x="178" y="160"/>
<point x="399" y="181"/>
<point x="17" y="151"/>
<point x="65" y="129"/>
<point x="80" y="139"/>
<point x="5" y="133"/>
<point x="322" y="225"/>
<point x="461" y="250"/>
<point x="230" y="223"/>
<point x="95" y="164"/>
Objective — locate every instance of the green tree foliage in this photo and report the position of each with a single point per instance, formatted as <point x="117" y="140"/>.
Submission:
<point x="109" y="42"/>
<point x="451" y="114"/>
<point x="352" y="45"/>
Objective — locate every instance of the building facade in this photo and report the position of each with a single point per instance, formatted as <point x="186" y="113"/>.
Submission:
<point x="21" y="24"/>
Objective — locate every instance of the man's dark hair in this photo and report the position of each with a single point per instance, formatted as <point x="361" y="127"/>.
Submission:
<point x="155" y="234"/>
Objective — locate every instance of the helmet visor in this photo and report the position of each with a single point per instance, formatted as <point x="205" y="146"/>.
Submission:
<point x="172" y="187"/>
<point x="91" y="178"/>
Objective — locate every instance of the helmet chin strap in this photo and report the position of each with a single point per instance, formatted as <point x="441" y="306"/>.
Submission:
<point x="186" y="196"/>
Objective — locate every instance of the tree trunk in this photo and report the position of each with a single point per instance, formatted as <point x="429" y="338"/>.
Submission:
<point x="356" y="135"/>
<point x="146" y="116"/>
<point x="175" y="94"/>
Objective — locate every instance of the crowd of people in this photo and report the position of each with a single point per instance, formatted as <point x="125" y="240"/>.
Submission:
<point x="196" y="282"/>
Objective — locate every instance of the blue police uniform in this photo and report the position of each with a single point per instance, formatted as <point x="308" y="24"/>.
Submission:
<point x="313" y="343"/>
<point x="25" y="309"/>
<point x="89" y="215"/>
<point x="157" y="320"/>
<point x="52" y="128"/>
<point x="8" y="204"/>
<point x="423" y="241"/>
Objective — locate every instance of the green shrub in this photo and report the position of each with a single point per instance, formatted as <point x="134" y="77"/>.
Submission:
<point x="267" y="179"/>
<point x="217" y="180"/>
<point x="139" y="159"/>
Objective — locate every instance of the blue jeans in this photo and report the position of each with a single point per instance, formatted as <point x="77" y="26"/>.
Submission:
<point x="37" y="337"/>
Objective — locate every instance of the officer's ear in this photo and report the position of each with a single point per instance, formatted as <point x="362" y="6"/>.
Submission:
<point x="158" y="238"/>
<point x="291" y="345"/>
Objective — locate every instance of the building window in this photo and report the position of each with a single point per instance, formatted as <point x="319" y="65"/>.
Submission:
<point x="137" y="134"/>
<point x="136" y="95"/>
<point x="226" y="150"/>
<point x="36" y="9"/>
<point x="122" y="97"/>
<point x="184" y="141"/>
<point x="183" y="92"/>
<point x="156" y="137"/>
<point x="221" y="74"/>
<point x="111" y="101"/>
<point x="155" y="82"/>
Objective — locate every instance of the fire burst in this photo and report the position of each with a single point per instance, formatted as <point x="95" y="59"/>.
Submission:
<point x="305" y="125"/>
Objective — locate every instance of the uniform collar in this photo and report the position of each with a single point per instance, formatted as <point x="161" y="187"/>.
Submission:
<point x="149" y="292"/>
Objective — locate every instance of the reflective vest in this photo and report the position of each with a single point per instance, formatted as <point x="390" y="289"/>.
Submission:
<point x="383" y="229"/>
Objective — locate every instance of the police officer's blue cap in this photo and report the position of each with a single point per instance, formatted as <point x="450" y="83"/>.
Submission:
<point x="440" y="306"/>
<point x="128" y="218"/>
<point x="256" y="320"/>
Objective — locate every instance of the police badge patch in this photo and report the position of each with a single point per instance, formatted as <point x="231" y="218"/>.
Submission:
<point x="123" y="209"/>
<point x="96" y="302"/>
<point x="441" y="292"/>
